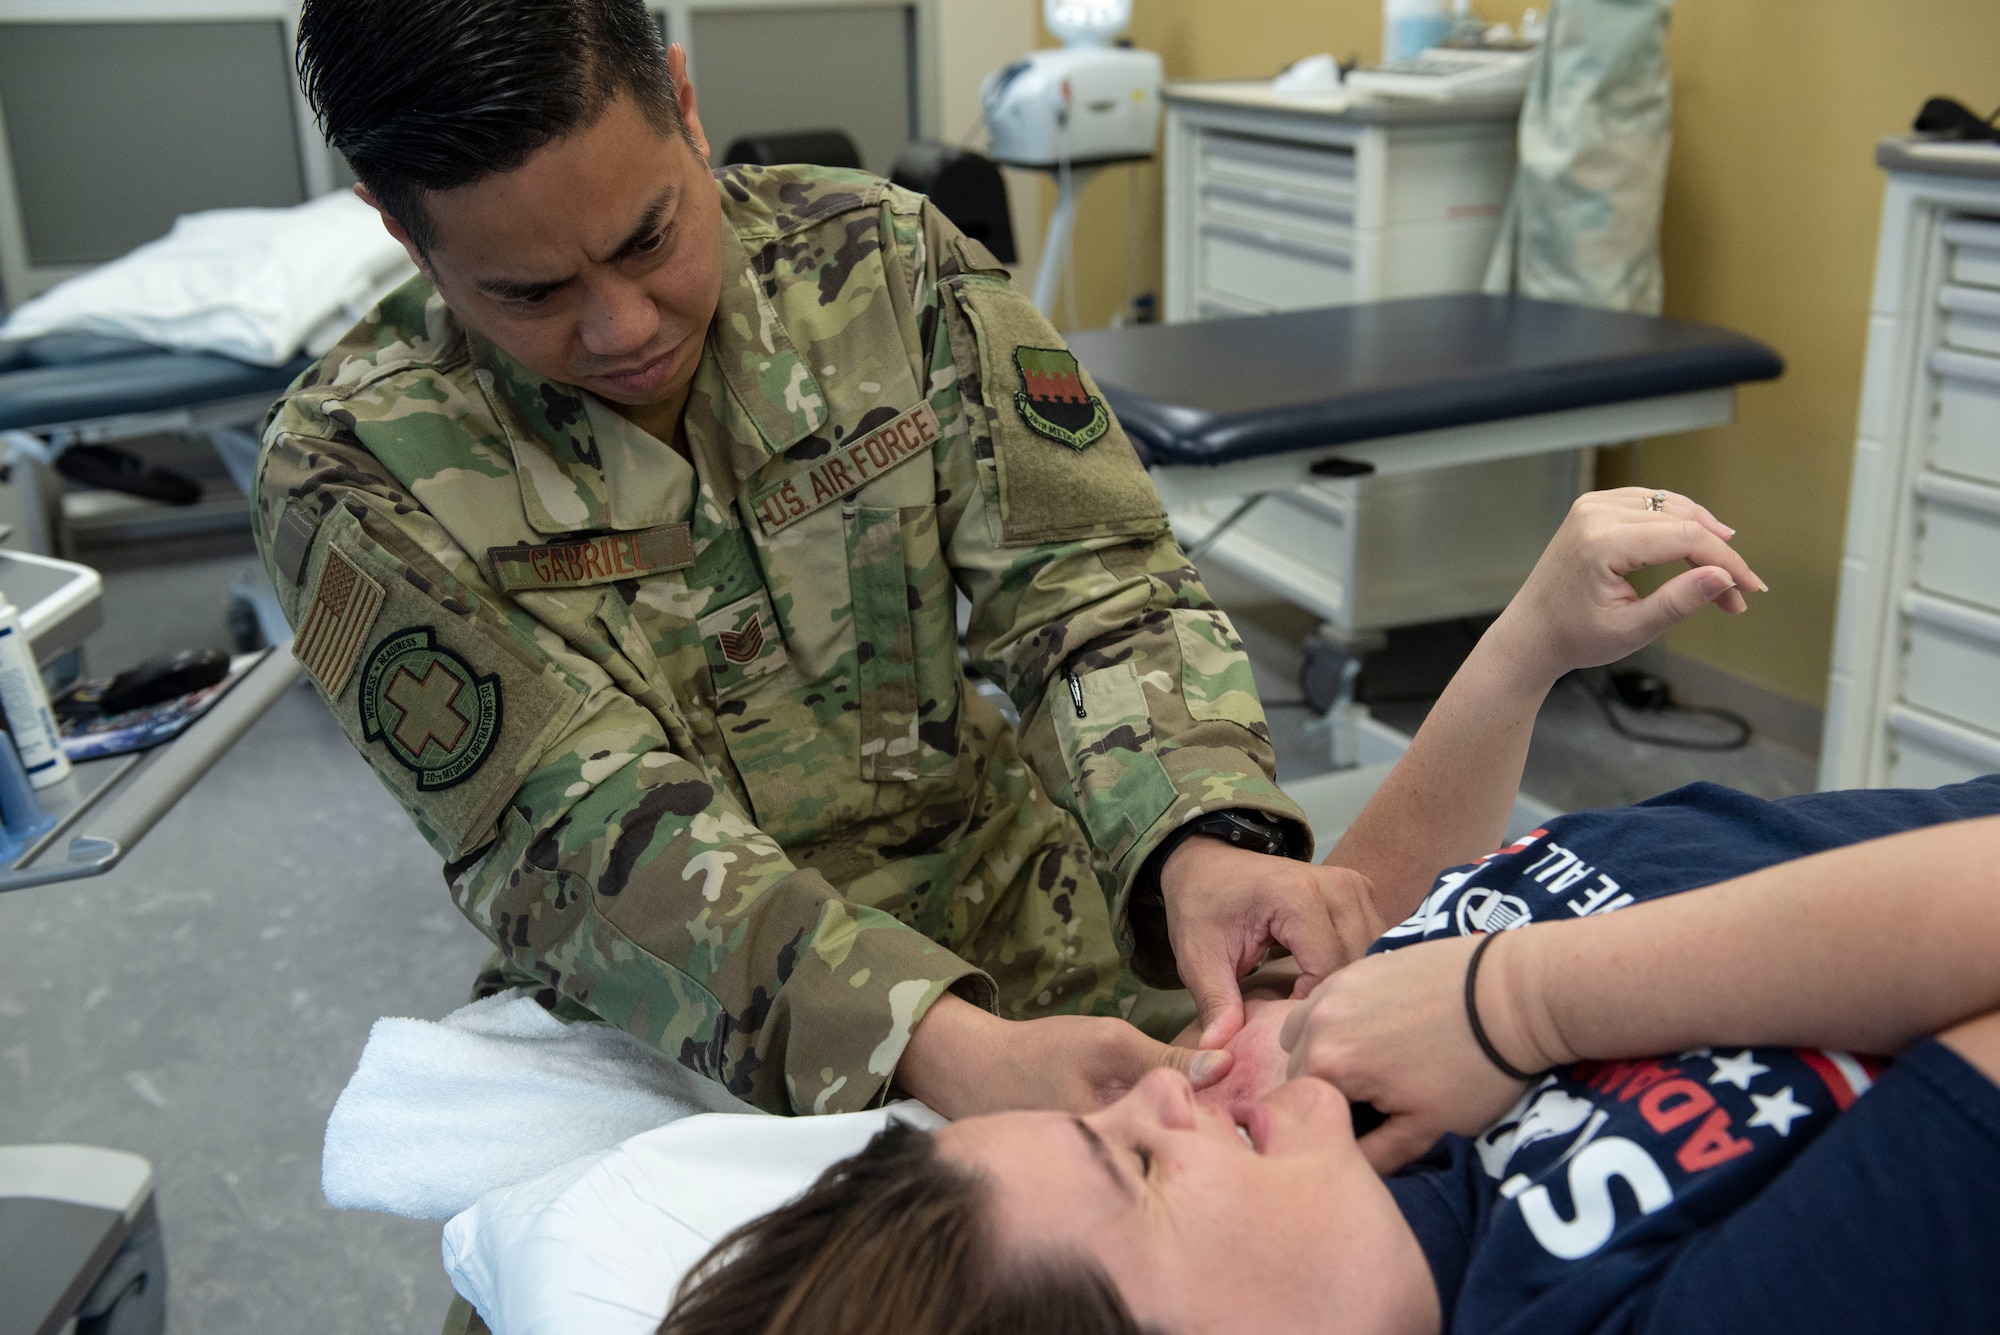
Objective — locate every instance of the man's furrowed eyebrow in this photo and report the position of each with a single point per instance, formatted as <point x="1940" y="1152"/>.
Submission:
<point x="531" y="289"/>
<point x="649" y="223"/>
<point x="1102" y="1153"/>
<point x="520" y="289"/>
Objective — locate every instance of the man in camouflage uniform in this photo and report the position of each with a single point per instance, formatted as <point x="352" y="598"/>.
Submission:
<point x="626" y="544"/>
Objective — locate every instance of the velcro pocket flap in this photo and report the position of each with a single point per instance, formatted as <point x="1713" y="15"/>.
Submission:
<point x="1066" y="470"/>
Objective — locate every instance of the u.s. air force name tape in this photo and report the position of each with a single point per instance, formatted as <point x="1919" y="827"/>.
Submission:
<point x="841" y="472"/>
<point x="342" y="611"/>
<point x="580" y="562"/>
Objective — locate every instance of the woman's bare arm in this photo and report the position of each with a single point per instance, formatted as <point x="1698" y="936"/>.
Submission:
<point x="1864" y="947"/>
<point x="1448" y="798"/>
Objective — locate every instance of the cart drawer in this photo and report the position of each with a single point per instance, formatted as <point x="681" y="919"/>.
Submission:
<point x="1958" y="539"/>
<point x="1975" y="252"/>
<point x="1965" y="432"/>
<point x="1972" y="319"/>
<point x="1951" y="660"/>
<point x="1274" y="270"/>
<point x="1306" y="171"/>
<point x="1928" y="752"/>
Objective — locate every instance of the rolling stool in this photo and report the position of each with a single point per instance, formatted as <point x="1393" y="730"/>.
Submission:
<point x="80" y="1250"/>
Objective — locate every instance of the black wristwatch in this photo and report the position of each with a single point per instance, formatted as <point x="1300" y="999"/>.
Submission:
<point x="1146" y="908"/>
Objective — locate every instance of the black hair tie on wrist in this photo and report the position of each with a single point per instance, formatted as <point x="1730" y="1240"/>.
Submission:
<point x="1507" y="1068"/>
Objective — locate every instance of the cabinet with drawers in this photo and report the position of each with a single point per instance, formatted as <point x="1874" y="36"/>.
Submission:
<point x="1913" y="697"/>
<point x="1277" y="204"/>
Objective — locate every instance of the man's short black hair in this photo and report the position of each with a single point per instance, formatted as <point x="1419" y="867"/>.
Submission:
<point x="423" y="95"/>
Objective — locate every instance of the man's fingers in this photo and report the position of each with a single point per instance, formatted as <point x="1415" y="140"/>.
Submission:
<point x="1217" y="1000"/>
<point x="1201" y="1068"/>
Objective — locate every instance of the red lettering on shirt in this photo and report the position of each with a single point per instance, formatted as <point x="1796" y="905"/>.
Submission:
<point x="1711" y="1144"/>
<point x="1674" y="1103"/>
<point x="1627" y="1079"/>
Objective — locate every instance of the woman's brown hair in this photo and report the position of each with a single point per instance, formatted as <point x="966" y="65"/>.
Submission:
<point x="893" y="1241"/>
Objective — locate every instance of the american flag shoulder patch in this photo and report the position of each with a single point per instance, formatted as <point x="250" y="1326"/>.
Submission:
<point x="329" y="640"/>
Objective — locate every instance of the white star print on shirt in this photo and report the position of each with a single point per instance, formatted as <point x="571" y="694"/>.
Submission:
<point x="1739" y="1070"/>
<point x="1778" y="1111"/>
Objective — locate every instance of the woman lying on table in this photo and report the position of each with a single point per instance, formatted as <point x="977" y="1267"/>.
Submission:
<point x="1609" y="1104"/>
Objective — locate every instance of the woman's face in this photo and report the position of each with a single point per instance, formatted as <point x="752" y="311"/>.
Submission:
<point x="1264" y="1219"/>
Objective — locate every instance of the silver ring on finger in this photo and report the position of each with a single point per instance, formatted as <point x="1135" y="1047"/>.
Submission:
<point x="1657" y="502"/>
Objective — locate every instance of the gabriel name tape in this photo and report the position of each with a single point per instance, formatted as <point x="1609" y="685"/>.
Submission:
<point x="841" y="472"/>
<point x="581" y="562"/>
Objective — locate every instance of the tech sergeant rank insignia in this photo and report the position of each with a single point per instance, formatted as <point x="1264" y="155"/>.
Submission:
<point x="435" y="715"/>
<point x="1052" y="400"/>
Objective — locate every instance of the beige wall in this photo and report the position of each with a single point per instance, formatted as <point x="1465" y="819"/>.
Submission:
<point x="1770" y="228"/>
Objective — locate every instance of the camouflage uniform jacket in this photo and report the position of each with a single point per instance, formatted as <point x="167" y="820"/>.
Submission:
<point x="693" y="738"/>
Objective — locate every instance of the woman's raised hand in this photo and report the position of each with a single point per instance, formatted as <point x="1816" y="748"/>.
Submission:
<point x="1576" y="609"/>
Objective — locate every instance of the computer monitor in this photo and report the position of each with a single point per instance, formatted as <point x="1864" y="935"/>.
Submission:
<point x="117" y="116"/>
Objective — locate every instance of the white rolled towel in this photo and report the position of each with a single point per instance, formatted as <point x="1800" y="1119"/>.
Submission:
<point x="438" y="1113"/>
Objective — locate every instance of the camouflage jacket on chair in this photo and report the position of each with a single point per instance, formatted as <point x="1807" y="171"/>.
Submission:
<point x="694" y="739"/>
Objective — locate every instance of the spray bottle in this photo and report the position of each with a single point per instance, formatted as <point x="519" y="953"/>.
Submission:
<point x="26" y="702"/>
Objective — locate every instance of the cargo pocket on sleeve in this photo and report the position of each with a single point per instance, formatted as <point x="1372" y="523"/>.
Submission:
<point x="906" y="642"/>
<point x="1215" y="673"/>
<point x="1113" y="759"/>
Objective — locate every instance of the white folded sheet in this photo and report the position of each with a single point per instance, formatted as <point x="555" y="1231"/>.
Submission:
<point x="498" y="1092"/>
<point x="258" y="285"/>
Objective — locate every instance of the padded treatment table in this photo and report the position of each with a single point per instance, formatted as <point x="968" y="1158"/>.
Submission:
<point x="1402" y="386"/>
<point x="1416" y="454"/>
<point x="1406" y="461"/>
<point x="83" y="384"/>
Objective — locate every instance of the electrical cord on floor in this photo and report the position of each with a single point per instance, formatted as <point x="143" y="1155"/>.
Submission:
<point x="1643" y="693"/>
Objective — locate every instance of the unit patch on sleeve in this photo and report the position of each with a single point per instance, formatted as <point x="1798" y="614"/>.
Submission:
<point x="581" y="562"/>
<point x="908" y="435"/>
<point x="428" y="708"/>
<point x="329" y="640"/>
<point x="1053" y="401"/>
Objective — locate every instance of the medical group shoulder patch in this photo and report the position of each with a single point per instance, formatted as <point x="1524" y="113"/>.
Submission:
<point x="428" y="708"/>
<point x="343" y="609"/>
<point x="1053" y="401"/>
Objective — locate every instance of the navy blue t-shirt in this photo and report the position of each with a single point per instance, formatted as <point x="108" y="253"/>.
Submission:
<point x="1711" y="1190"/>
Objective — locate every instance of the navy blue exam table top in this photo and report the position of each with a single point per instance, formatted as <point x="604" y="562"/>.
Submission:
<point x="1218" y="391"/>
<point x="61" y="378"/>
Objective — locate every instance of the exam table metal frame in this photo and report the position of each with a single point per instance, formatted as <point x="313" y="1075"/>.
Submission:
<point x="61" y="390"/>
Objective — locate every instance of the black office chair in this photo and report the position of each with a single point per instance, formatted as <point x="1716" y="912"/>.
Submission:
<point x="820" y="148"/>
<point x="965" y="186"/>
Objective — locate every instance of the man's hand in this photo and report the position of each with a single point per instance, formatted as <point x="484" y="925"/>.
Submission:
<point x="1227" y="906"/>
<point x="963" y="1061"/>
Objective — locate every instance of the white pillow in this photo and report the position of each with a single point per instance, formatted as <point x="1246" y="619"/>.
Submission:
<point x="597" y="1246"/>
<point x="258" y="285"/>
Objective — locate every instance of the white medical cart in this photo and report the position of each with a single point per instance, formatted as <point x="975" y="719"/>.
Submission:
<point x="1913" y="698"/>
